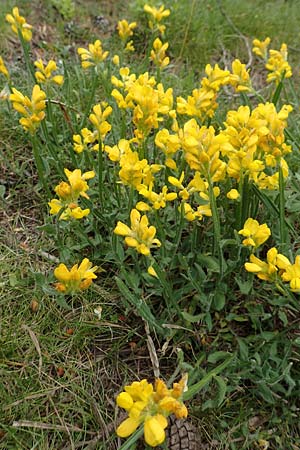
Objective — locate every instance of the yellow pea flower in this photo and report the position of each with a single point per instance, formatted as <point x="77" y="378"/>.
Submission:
<point x="32" y="109"/>
<point x="98" y="119"/>
<point x="268" y="270"/>
<point x="93" y="56"/>
<point x="158" y="54"/>
<point x="125" y="29"/>
<point x="292" y="274"/>
<point x="260" y="48"/>
<point x="140" y="236"/>
<point x="157" y="15"/>
<point x="278" y="65"/>
<point x="255" y="233"/>
<point x="44" y="73"/>
<point x="18" y="23"/>
<point x="76" y="279"/>
<point x="233" y="194"/>
<point x="240" y="78"/>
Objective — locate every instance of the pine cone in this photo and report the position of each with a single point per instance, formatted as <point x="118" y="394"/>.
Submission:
<point x="181" y="435"/>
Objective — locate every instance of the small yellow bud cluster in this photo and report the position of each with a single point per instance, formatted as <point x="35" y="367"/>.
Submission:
<point x="93" y="56"/>
<point x="32" y="109"/>
<point x="44" y="73"/>
<point x="88" y="139"/>
<point x="18" y="24"/>
<point x="69" y="192"/>
<point x="275" y="60"/>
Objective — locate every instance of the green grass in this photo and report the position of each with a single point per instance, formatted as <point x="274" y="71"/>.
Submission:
<point x="68" y="381"/>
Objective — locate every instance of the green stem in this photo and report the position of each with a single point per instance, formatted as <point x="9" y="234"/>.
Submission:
<point x="40" y="165"/>
<point x="283" y="230"/>
<point x="91" y="99"/>
<point x="25" y="48"/>
<point x="195" y="388"/>
<point x="100" y="174"/>
<point x="133" y="438"/>
<point x="217" y="250"/>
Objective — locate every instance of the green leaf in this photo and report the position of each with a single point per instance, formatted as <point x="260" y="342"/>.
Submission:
<point x="209" y="262"/>
<point x="217" y="356"/>
<point x="139" y="304"/>
<point x="266" y="393"/>
<point x="190" y="318"/>
<point x="283" y="317"/>
<point x="219" y="300"/>
<point x="222" y="387"/>
<point x="2" y="191"/>
<point x="61" y="301"/>
<point x="244" y="350"/>
<point x="195" y="388"/>
<point x="245" y="286"/>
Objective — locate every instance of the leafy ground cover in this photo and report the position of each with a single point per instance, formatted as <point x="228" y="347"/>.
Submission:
<point x="191" y="303"/>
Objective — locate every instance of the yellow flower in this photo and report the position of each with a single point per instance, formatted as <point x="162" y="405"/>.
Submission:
<point x="69" y="194"/>
<point x="292" y="274"/>
<point x="154" y="430"/>
<point x="268" y="270"/>
<point x="240" y="78"/>
<point x="31" y="110"/>
<point x="278" y="66"/>
<point x="18" y="23"/>
<point x="233" y="194"/>
<point x="72" y="211"/>
<point x="158" y="200"/>
<point x="116" y="60"/>
<point x="78" y="183"/>
<point x="44" y="74"/>
<point x="125" y="29"/>
<point x="261" y="47"/>
<point x="158" y="54"/>
<point x="157" y="15"/>
<point x="98" y="119"/>
<point x="83" y="140"/>
<point x="151" y="271"/>
<point x="3" y="68"/>
<point x="93" y="56"/>
<point x="140" y="236"/>
<point x="76" y="279"/>
<point x="256" y="234"/>
<point x="129" y="47"/>
<point x="202" y="149"/>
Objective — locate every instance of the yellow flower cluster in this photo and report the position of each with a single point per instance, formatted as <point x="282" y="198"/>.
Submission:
<point x="276" y="60"/>
<point x="277" y="267"/>
<point x="158" y="54"/>
<point x="256" y="144"/>
<point x="156" y="16"/>
<point x="151" y="406"/>
<point x="18" y="24"/>
<point x="44" y="73"/>
<point x="69" y="192"/>
<point x="88" y="139"/>
<point x="3" y="68"/>
<point x="254" y="233"/>
<point x="32" y="109"/>
<point x="93" y="56"/>
<point x="125" y="31"/>
<point x="78" y="278"/>
<point x="139" y="235"/>
<point x="149" y="102"/>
